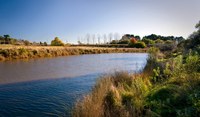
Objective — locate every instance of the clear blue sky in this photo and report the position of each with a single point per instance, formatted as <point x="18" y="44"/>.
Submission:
<point x="42" y="20"/>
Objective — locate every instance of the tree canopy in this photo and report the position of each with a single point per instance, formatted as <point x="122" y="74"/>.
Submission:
<point x="57" y="42"/>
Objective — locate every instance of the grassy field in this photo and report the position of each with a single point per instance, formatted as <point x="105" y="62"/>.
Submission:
<point x="9" y="52"/>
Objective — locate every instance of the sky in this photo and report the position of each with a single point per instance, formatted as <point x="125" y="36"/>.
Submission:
<point x="43" y="20"/>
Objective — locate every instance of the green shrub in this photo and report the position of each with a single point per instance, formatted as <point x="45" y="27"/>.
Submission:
<point x="57" y="42"/>
<point x="148" y="41"/>
<point x="140" y="45"/>
<point x="124" y="41"/>
<point x="137" y="45"/>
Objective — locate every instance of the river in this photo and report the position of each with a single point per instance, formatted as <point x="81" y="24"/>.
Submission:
<point x="50" y="86"/>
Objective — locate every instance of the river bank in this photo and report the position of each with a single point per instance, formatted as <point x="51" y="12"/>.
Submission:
<point x="168" y="86"/>
<point x="28" y="52"/>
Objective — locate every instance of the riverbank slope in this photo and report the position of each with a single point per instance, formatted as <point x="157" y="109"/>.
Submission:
<point x="168" y="87"/>
<point x="27" y="52"/>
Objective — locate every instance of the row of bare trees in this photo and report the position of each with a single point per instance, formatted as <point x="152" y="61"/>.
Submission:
<point x="98" y="38"/>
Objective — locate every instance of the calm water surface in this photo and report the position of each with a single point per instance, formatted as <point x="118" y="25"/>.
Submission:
<point x="50" y="86"/>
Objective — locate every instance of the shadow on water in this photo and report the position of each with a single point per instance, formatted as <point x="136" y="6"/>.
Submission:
<point x="54" y="97"/>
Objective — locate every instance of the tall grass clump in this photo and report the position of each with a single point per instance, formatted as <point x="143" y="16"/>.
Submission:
<point x="92" y="104"/>
<point x="116" y="95"/>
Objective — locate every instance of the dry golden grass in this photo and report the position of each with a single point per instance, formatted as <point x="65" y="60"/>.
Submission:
<point x="92" y="104"/>
<point x="117" y="95"/>
<point x="9" y="52"/>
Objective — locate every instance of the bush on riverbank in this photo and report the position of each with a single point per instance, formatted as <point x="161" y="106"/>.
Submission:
<point x="57" y="42"/>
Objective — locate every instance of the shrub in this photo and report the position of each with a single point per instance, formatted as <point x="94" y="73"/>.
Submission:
<point x="148" y="41"/>
<point x="137" y="45"/>
<point x="133" y="40"/>
<point x="26" y="42"/>
<point x="124" y="41"/>
<point x="159" y="41"/>
<point x="57" y="42"/>
<point x="140" y="45"/>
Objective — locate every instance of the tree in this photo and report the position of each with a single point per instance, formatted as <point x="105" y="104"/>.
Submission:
<point x="57" y="42"/>
<point x="114" y="42"/>
<point x="124" y="41"/>
<point x="6" y="36"/>
<point x="198" y="26"/>
<point x="137" y="37"/>
<point x="133" y="40"/>
<point x="148" y="41"/>
<point x="99" y="38"/>
<point x="140" y="45"/>
<point x="116" y="36"/>
<point x="110" y="36"/>
<point x="88" y="38"/>
<point x="159" y="41"/>
<point x="26" y="42"/>
<point x="6" y="39"/>
<point x="45" y="44"/>
<point x="125" y="37"/>
<point x="93" y="38"/>
<point x="194" y="39"/>
<point x="105" y="38"/>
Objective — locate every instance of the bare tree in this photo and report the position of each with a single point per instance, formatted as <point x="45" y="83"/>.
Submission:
<point x="110" y="36"/>
<point x="79" y="40"/>
<point x="99" y="38"/>
<point x="116" y="36"/>
<point x="105" y="38"/>
<point x="88" y="38"/>
<point x="93" y="38"/>
<point x="82" y="40"/>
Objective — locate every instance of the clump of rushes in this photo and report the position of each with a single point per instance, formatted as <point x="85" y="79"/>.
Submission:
<point x="92" y="104"/>
<point x="117" y="95"/>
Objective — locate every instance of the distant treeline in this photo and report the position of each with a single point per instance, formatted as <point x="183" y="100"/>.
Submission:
<point x="149" y="39"/>
<point x="163" y="42"/>
<point x="127" y="40"/>
<point x="6" y="39"/>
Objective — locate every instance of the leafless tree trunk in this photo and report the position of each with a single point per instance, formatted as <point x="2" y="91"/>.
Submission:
<point x="99" y="38"/>
<point x="105" y="38"/>
<point x="88" y="38"/>
<point x="116" y="36"/>
<point x="110" y="36"/>
<point x="93" y="38"/>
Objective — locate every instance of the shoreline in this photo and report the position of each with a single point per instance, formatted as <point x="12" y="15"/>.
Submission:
<point x="32" y="52"/>
<point x="159" y="90"/>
